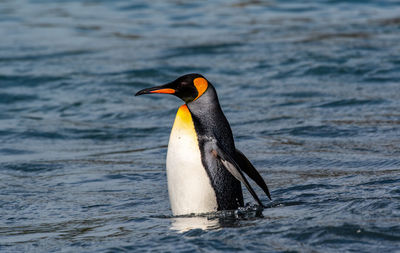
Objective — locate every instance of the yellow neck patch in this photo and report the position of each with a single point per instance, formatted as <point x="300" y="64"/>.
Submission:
<point x="201" y="85"/>
<point x="183" y="126"/>
<point x="183" y="118"/>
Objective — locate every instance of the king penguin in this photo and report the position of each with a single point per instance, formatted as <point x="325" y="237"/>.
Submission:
<point x="204" y="169"/>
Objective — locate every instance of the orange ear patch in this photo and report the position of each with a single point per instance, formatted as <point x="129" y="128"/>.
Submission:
<point x="201" y="85"/>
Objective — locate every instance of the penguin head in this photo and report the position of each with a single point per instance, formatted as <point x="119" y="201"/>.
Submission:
<point x="188" y="87"/>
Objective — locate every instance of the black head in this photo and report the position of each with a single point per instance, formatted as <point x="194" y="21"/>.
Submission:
<point x="188" y="87"/>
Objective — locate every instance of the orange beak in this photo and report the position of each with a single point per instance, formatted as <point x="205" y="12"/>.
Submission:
<point x="164" y="89"/>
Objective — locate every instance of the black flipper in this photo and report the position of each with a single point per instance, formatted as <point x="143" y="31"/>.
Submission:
<point x="248" y="168"/>
<point x="230" y="164"/>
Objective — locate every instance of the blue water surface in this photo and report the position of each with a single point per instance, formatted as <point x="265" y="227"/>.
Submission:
<point x="311" y="89"/>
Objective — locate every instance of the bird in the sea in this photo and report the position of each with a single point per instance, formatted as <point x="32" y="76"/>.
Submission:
<point x="204" y="169"/>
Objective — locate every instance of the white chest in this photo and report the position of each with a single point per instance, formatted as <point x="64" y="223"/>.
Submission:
<point x="189" y="186"/>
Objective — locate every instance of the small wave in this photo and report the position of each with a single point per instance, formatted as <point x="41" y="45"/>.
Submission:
<point x="352" y="102"/>
<point x="8" y="98"/>
<point x="12" y="151"/>
<point x="202" y="49"/>
<point x="32" y="167"/>
<point x="318" y="131"/>
<point x="46" y="55"/>
<point x="322" y="70"/>
<point x="303" y="94"/>
<point x="103" y="134"/>
<point x="335" y="36"/>
<point x="381" y="182"/>
<point x="27" y="80"/>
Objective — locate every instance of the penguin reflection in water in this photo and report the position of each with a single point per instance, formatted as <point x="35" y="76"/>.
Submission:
<point x="204" y="169"/>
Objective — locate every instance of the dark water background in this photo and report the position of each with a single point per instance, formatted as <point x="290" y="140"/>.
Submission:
<point x="311" y="88"/>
